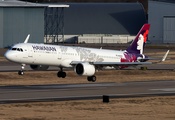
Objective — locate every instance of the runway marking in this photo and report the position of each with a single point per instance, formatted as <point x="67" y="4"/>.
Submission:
<point x="52" y="90"/>
<point x="165" y="89"/>
<point x="59" y="86"/>
<point x="24" y="91"/>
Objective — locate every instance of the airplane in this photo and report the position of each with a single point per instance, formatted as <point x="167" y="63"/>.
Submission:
<point x="85" y="61"/>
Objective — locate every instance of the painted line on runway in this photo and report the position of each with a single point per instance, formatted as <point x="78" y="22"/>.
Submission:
<point x="150" y="81"/>
<point x="164" y="89"/>
<point x="29" y="91"/>
<point x="63" y="86"/>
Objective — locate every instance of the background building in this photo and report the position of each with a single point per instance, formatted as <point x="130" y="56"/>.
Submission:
<point x="161" y="16"/>
<point x="80" y="23"/>
<point x="18" y="19"/>
<point x="102" y="22"/>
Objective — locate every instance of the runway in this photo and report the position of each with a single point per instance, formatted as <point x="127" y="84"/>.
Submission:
<point x="18" y="94"/>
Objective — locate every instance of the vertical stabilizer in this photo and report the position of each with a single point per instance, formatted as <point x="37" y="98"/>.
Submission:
<point x="27" y="38"/>
<point x="137" y="46"/>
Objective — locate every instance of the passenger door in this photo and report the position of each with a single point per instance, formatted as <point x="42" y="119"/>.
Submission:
<point x="59" y="54"/>
<point x="30" y="51"/>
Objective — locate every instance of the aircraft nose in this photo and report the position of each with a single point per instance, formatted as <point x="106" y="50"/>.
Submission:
<point x="8" y="55"/>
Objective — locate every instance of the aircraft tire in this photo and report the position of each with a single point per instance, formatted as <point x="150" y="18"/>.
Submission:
<point x="91" y="78"/>
<point x="59" y="74"/>
<point x="63" y="75"/>
<point x="20" y="72"/>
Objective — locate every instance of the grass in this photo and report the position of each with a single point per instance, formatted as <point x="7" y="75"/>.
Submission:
<point x="50" y="77"/>
<point x="157" y="108"/>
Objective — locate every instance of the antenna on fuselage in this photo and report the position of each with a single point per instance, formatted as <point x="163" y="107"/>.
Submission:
<point x="27" y="38"/>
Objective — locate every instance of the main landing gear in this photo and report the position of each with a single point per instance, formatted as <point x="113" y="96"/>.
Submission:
<point x="91" y="78"/>
<point x="61" y="73"/>
<point x="21" y="72"/>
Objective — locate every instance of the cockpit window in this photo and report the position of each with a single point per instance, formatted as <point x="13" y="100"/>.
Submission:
<point x="17" y="49"/>
<point x="14" y="48"/>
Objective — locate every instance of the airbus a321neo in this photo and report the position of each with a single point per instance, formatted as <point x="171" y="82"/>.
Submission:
<point x="85" y="61"/>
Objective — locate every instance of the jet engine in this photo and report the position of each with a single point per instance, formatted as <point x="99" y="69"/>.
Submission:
<point x="84" y="69"/>
<point x="39" y="67"/>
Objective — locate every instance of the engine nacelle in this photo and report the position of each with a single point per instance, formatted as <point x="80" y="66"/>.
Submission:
<point x="39" y="67"/>
<point x="84" y="69"/>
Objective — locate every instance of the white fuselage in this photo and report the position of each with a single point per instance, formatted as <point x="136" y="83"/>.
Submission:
<point x="56" y="55"/>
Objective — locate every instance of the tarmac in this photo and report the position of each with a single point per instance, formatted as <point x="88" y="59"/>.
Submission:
<point x="44" y="93"/>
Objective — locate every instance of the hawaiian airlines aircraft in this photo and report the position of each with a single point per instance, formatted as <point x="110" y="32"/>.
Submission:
<point x="85" y="61"/>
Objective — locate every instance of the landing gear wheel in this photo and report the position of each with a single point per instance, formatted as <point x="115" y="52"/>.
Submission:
<point x="20" y="72"/>
<point x="91" y="78"/>
<point x="61" y="74"/>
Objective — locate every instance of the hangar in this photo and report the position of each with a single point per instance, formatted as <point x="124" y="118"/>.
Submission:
<point x="17" y="20"/>
<point x="102" y="22"/>
<point x="161" y="16"/>
<point x="85" y="22"/>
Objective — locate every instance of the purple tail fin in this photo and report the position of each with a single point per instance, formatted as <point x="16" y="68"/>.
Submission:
<point x="137" y="46"/>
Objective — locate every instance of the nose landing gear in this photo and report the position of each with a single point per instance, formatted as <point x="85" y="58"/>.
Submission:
<point x="21" y="71"/>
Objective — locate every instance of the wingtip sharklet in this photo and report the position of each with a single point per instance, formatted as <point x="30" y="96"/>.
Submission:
<point x="165" y="56"/>
<point x="27" y="38"/>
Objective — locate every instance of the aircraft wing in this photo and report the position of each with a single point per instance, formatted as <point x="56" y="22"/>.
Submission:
<point x="114" y="63"/>
<point x="120" y="63"/>
<point x="152" y="58"/>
